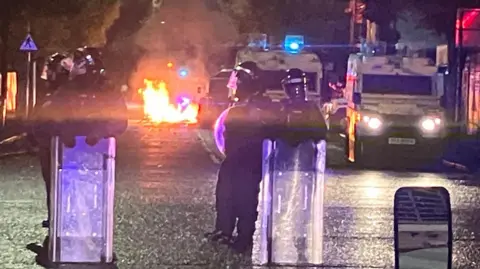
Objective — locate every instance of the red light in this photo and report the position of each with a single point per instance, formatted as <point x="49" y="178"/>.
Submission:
<point x="359" y="10"/>
<point x="467" y="20"/>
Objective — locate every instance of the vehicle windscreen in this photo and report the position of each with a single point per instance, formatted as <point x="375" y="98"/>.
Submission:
<point x="395" y="84"/>
<point x="218" y="89"/>
<point x="272" y="80"/>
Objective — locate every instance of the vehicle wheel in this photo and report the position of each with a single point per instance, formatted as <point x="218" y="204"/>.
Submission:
<point x="361" y="159"/>
<point x="346" y="148"/>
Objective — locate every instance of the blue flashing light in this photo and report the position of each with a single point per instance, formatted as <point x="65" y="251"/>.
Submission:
<point x="294" y="46"/>
<point x="294" y="43"/>
<point x="183" y="72"/>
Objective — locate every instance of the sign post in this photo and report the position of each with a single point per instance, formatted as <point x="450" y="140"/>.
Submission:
<point x="28" y="46"/>
<point x="34" y="84"/>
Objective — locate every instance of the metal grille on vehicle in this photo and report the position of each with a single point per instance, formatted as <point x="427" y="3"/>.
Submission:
<point x="428" y="206"/>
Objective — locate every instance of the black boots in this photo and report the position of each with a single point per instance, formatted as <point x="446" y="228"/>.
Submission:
<point x="219" y="237"/>
<point x="242" y="245"/>
<point x="239" y="245"/>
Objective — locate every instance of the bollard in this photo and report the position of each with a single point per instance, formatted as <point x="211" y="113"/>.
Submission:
<point x="289" y="229"/>
<point x="82" y="199"/>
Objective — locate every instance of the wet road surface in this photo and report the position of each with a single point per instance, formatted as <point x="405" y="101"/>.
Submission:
<point x="164" y="203"/>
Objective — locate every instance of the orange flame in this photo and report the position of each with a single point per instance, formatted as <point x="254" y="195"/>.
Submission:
<point x="157" y="106"/>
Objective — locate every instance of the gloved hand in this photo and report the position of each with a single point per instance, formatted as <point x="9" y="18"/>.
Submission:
<point x="92" y="140"/>
<point x="68" y="141"/>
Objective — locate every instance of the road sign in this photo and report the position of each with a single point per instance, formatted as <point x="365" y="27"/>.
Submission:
<point x="28" y="44"/>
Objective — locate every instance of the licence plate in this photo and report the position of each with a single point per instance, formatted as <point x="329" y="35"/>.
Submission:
<point x="401" y="141"/>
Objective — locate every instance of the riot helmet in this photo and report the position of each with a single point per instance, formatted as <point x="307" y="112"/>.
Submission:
<point x="94" y="59"/>
<point x="295" y="85"/>
<point x="247" y="84"/>
<point x="94" y="52"/>
<point x="251" y="66"/>
<point x="54" y="71"/>
<point x="87" y="65"/>
<point x="79" y="66"/>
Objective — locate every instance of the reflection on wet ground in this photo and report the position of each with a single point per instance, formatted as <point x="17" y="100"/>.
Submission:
<point x="164" y="204"/>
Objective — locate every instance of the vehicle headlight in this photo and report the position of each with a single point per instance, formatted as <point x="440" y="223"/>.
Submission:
<point x="430" y="124"/>
<point x="372" y="122"/>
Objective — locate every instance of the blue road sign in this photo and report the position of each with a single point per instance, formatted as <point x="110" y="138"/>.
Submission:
<point x="28" y="44"/>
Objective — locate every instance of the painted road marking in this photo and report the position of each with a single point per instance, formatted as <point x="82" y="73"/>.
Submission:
<point x="210" y="152"/>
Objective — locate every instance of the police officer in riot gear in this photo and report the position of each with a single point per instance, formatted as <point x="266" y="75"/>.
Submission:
<point x="61" y="114"/>
<point x="295" y="85"/>
<point x="303" y="123"/>
<point x="54" y="73"/>
<point x="303" y="118"/>
<point x="246" y="126"/>
<point x="248" y="75"/>
<point x="247" y="84"/>
<point x="87" y="67"/>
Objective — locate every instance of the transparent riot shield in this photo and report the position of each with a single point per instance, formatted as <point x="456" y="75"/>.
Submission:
<point x="290" y="223"/>
<point x="82" y="196"/>
<point x="261" y="236"/>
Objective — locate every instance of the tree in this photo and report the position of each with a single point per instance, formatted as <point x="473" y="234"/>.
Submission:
<point x="318" y="20"/>
<point x="414" y="31"/>
<point x="323" y="20"/>
<point x="435" y="14"/>
<point x="121" y="53"/>
<point x="63" y="25"/>
<point x="133" y="13"/>
<point x="382" y="12"/>
<point x="242" y="14"/>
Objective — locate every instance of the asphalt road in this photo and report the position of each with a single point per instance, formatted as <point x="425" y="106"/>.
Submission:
<point x="164" y="203"/>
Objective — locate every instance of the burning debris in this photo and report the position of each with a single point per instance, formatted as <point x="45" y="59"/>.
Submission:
<point x="158" y="107"/>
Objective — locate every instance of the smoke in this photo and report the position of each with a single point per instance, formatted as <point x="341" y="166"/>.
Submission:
<point x="414" y="33"/>
<point x="186" y="33"/>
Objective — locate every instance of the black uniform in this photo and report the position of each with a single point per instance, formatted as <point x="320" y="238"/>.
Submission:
<point x="241" y="172"/>
<point x="303" y="119"/>
<point x="247" y="124"/>
<point x="64" y="113"/>
<point x="54" y="73"/>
